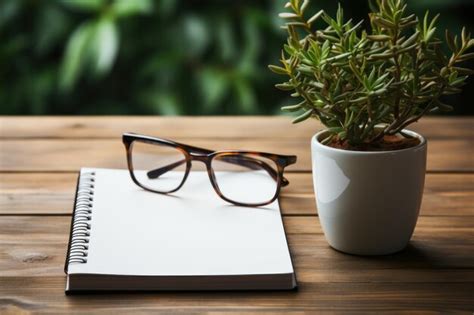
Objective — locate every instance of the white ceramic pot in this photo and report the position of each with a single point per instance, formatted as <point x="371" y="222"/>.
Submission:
<point x="368" y="202"/>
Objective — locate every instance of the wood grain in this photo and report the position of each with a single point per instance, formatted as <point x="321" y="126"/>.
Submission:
<point x="40" y="155"/>
<point x="233" y="127"/>
<point x="53" y="193"/>
<point x="39" y="293"/>
<point x="71" y="155"/>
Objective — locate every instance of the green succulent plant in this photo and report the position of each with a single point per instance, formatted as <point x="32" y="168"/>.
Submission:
<point x="363" y="85"/>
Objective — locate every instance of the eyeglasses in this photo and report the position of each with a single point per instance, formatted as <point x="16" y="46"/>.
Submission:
<point x="162" y="166"/>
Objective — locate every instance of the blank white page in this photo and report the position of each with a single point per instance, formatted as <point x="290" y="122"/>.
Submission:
<point x="189" y="232"/>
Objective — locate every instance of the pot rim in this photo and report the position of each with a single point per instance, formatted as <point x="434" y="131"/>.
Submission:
<point x="315" y="140"/>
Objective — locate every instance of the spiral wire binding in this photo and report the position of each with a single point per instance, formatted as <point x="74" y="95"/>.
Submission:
<point x="81" y="225"/>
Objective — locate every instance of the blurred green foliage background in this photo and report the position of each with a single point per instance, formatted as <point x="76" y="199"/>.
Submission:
<point x="166" y="57"/>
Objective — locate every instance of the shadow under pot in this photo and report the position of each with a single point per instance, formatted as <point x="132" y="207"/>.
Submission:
<point x="368" y="201"/>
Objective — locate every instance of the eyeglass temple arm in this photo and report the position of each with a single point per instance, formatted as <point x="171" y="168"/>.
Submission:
<point x="160" y="171"/>
<point x="244" y="161"/>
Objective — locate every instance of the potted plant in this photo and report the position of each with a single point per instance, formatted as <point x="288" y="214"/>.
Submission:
<point x="366" y="87"/>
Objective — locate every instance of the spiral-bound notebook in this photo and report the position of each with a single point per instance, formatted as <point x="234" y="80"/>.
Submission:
<point x="126" y="238"/>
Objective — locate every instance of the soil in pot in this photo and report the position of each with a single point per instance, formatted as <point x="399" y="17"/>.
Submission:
<point x="387" y="143"/>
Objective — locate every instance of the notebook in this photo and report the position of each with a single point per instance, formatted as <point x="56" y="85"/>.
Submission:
<point x="125" y="238"/>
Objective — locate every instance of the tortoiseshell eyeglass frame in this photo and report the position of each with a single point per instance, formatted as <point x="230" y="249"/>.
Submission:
<point x="191" y="153"/>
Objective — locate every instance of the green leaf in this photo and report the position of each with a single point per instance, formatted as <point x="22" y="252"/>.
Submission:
<point x="433" y="21"/>
<point x="295" y="4"/>
<point x="293" y="108"/>
<point x="465" y="57"/>
<point x="403" y="50"/>
<point x="379" y="38"/>
<point x="450" y="40"/>
<point x="245" y="95"/>
<point x="303" y="116"/>
<point x="93" y="46"/>
<point x="339" y="57"/>
<point x="317" y="85"/>
<point x="385" y="55"/>
<point x="378" y="92"/>
<point x="296" y="24"/>
<point x="277" y="70"/>
<point x="328" y="37"/>
<point x="75" y="57"/>
<point x="288" y="15"/>
<point x="371" y="78"/>
<point x="410" y="40"/>
<point x="284" y="86"/>
<point x="124" y="8"/>
<point x="195" y="35"/>
<point x="381" y="78"/>
<point x="304" y="5"/>
<point x="359" y="99"/>
<point x="384" y="23"/>
<point x="305" y="70"/>
<point x="430" y="34"/>
<point x="463" y="71"/>
<point x="408" y="24"/>
<point x="214" y="86"/>
<point x="355" y="27"/>
<point x="339" y="14"/>
<point x="425" y="21"/>
<point x="464" y="35"/>
<point x="444" y="107"/>
<point x="105" y="46"/>
<point x="315" y="17"/>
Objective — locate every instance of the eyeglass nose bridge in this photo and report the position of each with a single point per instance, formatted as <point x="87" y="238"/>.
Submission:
<point x="201" y="157"/>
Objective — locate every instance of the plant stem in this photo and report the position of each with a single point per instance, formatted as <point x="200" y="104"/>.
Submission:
<point x="417" y="117"/>
<point x="307" y="99"/>
<point x="396" y="109"/>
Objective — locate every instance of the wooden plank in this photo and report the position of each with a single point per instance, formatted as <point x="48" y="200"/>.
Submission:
<point x="276" y="127"/>
<point x="70" y="155"/>
<point x="436" y="272"/>
<point x="45" y="295"/>
<point x="53" y="193"/>
<point x="438" y="243"/>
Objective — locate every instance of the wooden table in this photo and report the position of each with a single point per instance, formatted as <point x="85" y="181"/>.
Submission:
<point x="40" y="156"/>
